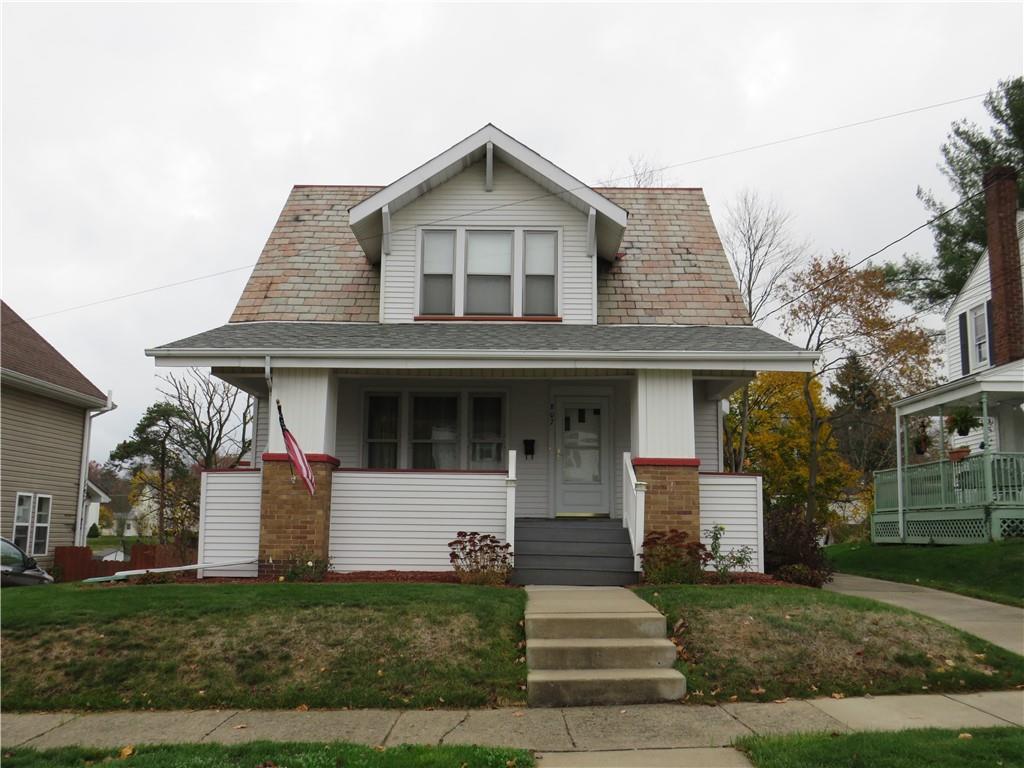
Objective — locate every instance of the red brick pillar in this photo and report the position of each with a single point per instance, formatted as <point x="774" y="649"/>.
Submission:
<point x="291" y="521"/>
<point x="673" y="494"/>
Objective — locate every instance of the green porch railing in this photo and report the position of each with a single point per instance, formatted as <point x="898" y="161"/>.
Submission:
<point x="977" y="480"/>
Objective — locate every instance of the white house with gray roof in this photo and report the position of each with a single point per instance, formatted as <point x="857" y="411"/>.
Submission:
<point x="487" y="344"/>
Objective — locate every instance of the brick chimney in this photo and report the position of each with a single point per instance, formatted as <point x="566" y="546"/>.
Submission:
<point x="1004" y="265"/>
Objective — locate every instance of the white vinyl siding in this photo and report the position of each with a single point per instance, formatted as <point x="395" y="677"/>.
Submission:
<point x="261" y="432"/>
<point x="404" y="521"/>
<point x="229" y="522"/>
<point x="707" y="430"/>
<point x="465" y="192"/>
<point x="42" y="455"/>
<point x="976" y="291"/>
<point x="734" y="501"/>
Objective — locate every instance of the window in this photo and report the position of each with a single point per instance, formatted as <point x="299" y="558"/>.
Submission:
<point x="382" y="415"/>
<point x="540" y="257"/>
<point x="438" y="272"/>
<point x="488" y="273"/>
<point x="22" y="520"/>
<point x="487" y="432"/>
<point x="979" y="322"/>
<point x="435" y="432"/>
<point x="32" y="522"/>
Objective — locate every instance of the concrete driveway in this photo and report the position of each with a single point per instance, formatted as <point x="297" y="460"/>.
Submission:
<point x="1001" y="625"/>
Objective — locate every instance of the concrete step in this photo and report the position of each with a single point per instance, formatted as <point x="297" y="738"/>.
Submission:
<point x="600" y="653"/>
<point x="617" y="548"/>
<point x="575" y="562"/>
<point x="579" y="626"/>
<point x="574" y="578"/>
<point x="584" y="687"/>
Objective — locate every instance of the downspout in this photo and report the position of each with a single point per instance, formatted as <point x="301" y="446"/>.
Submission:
<point x="90" y="414"/>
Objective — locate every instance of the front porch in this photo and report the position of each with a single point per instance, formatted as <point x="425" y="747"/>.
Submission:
<point x="970" y="487"/>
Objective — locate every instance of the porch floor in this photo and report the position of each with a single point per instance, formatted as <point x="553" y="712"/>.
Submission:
<point x="573" y="551"/>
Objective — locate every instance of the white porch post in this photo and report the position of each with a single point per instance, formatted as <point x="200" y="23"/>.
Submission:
<point x="900" y="439"/>
<point x="309" y="398"/>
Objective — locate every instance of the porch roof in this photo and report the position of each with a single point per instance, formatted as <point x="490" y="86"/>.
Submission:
<point x="1002" y="383"/>
<point x="744" y="346"/>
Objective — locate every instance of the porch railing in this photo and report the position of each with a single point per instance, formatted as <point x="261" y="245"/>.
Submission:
<point x="633" y="496"/>
<point x="977" y="480"/>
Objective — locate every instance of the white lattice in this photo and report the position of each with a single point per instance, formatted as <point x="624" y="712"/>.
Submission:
<point x="1011" y="527"/>
<point x="886" y="529"/>
<point x="968" y="530"/>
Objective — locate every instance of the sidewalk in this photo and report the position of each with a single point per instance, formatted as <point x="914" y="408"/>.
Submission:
<point x="666" y="734"/>
<point x="1001" y="625"/>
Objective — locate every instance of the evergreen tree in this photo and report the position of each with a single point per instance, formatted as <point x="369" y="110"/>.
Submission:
<point x="863" y="419"/>
<point x="960" y="236"/>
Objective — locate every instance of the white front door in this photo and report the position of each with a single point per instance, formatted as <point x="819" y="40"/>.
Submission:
<point x="582" y="471"/>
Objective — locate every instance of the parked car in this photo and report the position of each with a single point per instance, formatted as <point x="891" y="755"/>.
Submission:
<point x="18" y="569"/>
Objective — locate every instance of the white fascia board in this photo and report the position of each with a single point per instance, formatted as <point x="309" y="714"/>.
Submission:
<point x="800" y="360"/>
<point x="418" y="181"/>
<point x="55" y="391"/>
<point x="974" y="269"/>
<point x="1005" y="379"/>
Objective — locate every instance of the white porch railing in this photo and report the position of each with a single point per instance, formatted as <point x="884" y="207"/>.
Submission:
<point x="633" y="496"/>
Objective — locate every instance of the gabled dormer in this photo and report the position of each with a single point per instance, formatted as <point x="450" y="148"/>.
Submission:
<point x="488" y="230"/>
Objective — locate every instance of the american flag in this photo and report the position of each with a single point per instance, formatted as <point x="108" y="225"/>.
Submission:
<point x="298" y="458"/>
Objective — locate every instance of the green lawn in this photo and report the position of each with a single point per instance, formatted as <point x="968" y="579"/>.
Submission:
<point x="990" y="571"/>
<point x="273" y="754"/>
<point x="760" y="643"/>
<point x="988" y="747"/>
<point x="116" y="542"/>
<point x="178" y="646"/>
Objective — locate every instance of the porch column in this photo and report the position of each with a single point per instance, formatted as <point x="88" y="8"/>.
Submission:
<point x="665" y="450"/>
<point x="292" y="522"/>
<point x="901" y="442"/>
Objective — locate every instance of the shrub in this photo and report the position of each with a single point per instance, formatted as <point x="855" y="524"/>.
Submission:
<point x="148" y="578"/>
<point x="798" y="573"/>
<point x="791" y="540"/>
<point x="480" y="558"/>
<point x="94" y="532"/>
<point x="669" y="557"/>
<point x="724" y="563"/>
<point x="305" y="566"/>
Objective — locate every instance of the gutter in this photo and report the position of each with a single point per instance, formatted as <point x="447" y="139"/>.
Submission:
<point x="90" y="414"/>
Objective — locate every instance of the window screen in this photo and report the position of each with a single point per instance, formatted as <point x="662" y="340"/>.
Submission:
<point x="539" y="267"/>
<point x="488" y="273"/>
<point x="382" y="432"/>
<point x="435" y="432"/>
<point x="438" y="271"/>
<point x="487" y="432"/>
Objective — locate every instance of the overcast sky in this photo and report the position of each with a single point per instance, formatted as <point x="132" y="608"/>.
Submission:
<point x="147" y="144"/>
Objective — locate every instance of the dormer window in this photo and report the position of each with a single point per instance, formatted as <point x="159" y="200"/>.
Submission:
<point x="488" y="272"/>
<point x="979" y="328"/>
<point x="478" y="273"/>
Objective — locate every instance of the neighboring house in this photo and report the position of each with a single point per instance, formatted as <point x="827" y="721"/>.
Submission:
<point x="46" y="412"/>
<point x="94" y="498"/>
<point x="487" y="344"/>
<point x="980" y="497"/>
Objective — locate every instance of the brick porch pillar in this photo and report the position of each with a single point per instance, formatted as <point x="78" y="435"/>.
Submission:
<point x="291" y="521"/>
<point x="673" y="494"/>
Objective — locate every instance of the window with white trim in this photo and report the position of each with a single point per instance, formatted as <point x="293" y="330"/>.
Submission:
<point x="438" y="278"/>
<point x="486" y="432"/>
<point x="32" y="522"/>
<point x="979" y="330"/>
<point x="382" y="433"/>
<point x="434" y="436"/>
<point x="470" y="272"/>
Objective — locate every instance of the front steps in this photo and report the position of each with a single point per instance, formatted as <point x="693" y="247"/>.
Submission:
<point x="568" y="551"/>
<point x="594" y="646"/>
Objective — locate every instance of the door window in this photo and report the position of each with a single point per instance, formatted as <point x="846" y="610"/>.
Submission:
<point x="581" y="445"/>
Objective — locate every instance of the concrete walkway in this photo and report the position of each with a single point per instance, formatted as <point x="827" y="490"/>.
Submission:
<point x="1001" y="625"/>
<point x="653" y="735"/>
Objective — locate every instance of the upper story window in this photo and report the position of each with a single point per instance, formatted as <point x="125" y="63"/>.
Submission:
<point x="467" y="272"/>
<point x="979" y="334"/>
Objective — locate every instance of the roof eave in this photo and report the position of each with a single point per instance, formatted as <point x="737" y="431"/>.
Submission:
<point x="55" y="391"/>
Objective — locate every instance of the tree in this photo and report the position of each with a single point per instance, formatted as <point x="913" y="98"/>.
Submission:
<point x="960" y="236"/>
<point x="213" y="425"/>
<point x="840" y="312"/>
<point x="94" y="532"/>
<point x="864" y="419"/>
<point x="114" y="514"/>
<point x="762" y="250"/>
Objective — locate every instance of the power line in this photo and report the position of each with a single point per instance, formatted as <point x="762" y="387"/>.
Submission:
<point x="693" y="161"/>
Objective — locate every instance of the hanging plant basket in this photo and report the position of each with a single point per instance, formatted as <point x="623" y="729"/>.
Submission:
<point x="962" y="420"/>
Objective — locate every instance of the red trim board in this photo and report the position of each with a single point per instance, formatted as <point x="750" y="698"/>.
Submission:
<point x="650" y="462"/>
<point x="310" y="457"/>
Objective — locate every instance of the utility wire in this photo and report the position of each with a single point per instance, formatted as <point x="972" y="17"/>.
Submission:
<point x="694" y="161"/>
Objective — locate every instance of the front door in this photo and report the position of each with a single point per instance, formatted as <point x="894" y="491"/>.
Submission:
<point x="582" y="471"/>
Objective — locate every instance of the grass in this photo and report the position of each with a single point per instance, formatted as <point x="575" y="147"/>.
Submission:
<point x="273" y="754"/>
<point x="116" y="542"/>
<point x="934" y="748"/>
<point x="757" y="643"/>
<point x="263" y="646"/>
<point x="989" y="571"/>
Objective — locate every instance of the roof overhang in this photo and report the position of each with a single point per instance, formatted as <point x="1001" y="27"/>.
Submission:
<point x="367" y="218"/>
<point x="95" y="493"/>
<point x="47" y="389"/>
<point x="798" y="360"/>
<point x="1003" y="383"/>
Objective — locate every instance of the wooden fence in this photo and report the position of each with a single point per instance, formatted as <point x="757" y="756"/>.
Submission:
<point x="77" y="563"/>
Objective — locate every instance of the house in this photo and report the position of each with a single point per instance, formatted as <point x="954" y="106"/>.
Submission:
<point x="980" y="497"/>
<point x="94" y="498"/>
<point x="46" y="412"/>
<point x="486" y="344"/>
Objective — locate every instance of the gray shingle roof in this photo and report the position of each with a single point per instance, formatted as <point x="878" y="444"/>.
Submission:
<point x="497" y="336"/>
